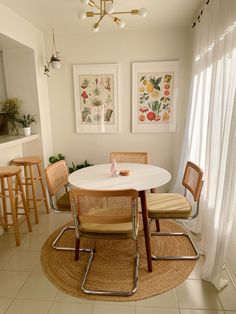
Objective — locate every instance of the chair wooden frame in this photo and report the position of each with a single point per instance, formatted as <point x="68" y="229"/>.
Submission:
<point x="29" y="181"/>
<point x="57" y="179"/>
<point x="194" y="186"/>
<point x="11" y="188"/>
<point x="80" y="218"/>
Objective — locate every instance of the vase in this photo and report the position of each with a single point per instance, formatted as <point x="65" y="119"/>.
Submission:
<point x="12" y="128"/>
<point x="27" y="131"/>
<point x="114" y="171"/>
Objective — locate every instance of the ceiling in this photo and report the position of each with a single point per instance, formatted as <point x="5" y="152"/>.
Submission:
<point x="63" y="14"/>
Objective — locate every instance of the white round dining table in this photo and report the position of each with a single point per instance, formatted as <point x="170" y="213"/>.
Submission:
<point x="142" y="177"/>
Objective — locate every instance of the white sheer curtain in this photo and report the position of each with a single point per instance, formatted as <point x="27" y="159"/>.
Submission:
<point x="210" y="134"/>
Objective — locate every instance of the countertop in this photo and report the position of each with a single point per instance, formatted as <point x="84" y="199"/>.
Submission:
<point x="12" y="140"/>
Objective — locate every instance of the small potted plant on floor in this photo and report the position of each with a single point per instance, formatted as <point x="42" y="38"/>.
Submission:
<point x="25" y="121"/>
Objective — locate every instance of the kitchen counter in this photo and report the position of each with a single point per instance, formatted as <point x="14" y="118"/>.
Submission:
<point x="7" y="141"/>
<point x="17" y="146"/>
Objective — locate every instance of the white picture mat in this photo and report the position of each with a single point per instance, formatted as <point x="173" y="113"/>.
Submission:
<point x="96" y="69"/>
<point x="154" y="67"/>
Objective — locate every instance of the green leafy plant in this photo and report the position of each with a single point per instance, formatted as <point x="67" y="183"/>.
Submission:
<point x="55" y="158"/>
<point x="155" y="106"/>
<point x="11" y="108"/>
<point x="79" y="166"/>
<point x="25" y="120"/>
<point x="96" y="91"/>
<point x="96" y="102"/>
<point x="143" y="97"/>
<point x="85" y="83"/>
<point x="85" y="113"/>
<point x="155" y="82"/>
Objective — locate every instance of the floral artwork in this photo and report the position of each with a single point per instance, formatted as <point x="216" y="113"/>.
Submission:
<point x="154" y="96"/>
<point x="96" y="99"/>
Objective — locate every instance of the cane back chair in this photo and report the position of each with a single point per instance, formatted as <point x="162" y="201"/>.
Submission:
<point x="130" y="157"/>
<point x="177" y="206"/>
<point x="105" y="215"/>
<point x="57" y="181"/>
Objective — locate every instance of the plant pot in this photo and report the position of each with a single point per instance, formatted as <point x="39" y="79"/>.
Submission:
<point x="56" y="64"/>
<point x="12" y="128"/>
<point x="27" y="131"/>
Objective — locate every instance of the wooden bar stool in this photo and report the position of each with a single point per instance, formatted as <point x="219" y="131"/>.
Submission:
<point x="11" y="175"/>
<point x="29" y="180"/>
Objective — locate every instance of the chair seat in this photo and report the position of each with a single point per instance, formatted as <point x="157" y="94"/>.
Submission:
<point x="63" y="203"/>
<point x="27" y="161"/>
<point x="9" y="171"/>
<point x="118" y="231"/>
<point x="168" y="205"/>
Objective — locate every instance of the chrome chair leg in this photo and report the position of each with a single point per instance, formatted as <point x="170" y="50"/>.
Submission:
<point x="105" y="292"/>
<point x="181" y="257"/>
<point x="64" y="248"/>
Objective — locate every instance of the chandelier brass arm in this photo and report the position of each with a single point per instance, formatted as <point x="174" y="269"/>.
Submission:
<point x="132" y="12"/>
<point x="106" y="8"/>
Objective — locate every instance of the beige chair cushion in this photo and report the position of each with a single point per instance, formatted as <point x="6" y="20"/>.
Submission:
<point x="118" y="231"/>
<point x="63" y="203"/>
<point x="168" y="205"/>
<point x="106" y="228"/>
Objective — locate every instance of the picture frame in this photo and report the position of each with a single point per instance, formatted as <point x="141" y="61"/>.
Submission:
<point x="96" y="98"/>
<point x="154" y="96"/>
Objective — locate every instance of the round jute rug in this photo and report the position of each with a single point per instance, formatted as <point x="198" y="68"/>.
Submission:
<point x="113" y="265"/>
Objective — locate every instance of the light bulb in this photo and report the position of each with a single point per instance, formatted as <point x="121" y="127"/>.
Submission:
<point x="82" y="15"/>
<point x="109" y="8"/>
<point x="95" y="28"/>
<point x="84" y="1"/>
<point x="121" y="24"/>
<point x="143" y="12"/>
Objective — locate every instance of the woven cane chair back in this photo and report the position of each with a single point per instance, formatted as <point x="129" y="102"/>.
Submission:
<point x="193" y="180"/>
<point x="130" y="157"/>
<point x="56" y="176"/>
<point x="105" y="207"/>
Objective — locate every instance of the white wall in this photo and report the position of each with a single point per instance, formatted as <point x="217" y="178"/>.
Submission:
<point x="21" y="82"/>
<point x="15" y="27"/>
<point x="124" y="48"/>
<point x="2" y="80"/>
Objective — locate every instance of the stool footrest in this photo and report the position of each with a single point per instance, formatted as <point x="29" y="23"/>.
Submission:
<point x="28" y="179"/>
<point x="11" y="224"/>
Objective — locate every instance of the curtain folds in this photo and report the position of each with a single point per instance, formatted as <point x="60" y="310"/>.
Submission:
<point x="210" y="132"/>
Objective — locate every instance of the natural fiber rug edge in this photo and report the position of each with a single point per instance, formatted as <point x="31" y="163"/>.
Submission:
<point x="151" y="280"/>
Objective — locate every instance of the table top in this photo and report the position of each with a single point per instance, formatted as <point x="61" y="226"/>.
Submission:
<point x="98" y="177"/>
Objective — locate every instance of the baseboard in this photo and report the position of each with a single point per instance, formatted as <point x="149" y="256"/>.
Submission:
<point x="230" y="273"/>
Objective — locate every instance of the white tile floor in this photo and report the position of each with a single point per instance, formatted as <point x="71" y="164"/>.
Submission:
<point x="24" y="289"/>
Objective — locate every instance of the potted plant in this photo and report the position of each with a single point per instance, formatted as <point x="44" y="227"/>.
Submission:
<point x="55" y="158"/>
<point x="55" y="62"/>
<point x="10" y="107"/>
<point x="79" y="166"/>
<point x="25" y="121"/>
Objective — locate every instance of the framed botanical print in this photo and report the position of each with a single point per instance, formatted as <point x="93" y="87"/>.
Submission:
<point x="96" y="98"/>
<point x="154" y="96"/>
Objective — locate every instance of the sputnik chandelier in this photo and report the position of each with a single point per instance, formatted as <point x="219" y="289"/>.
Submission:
<point x="106" y="8"/>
